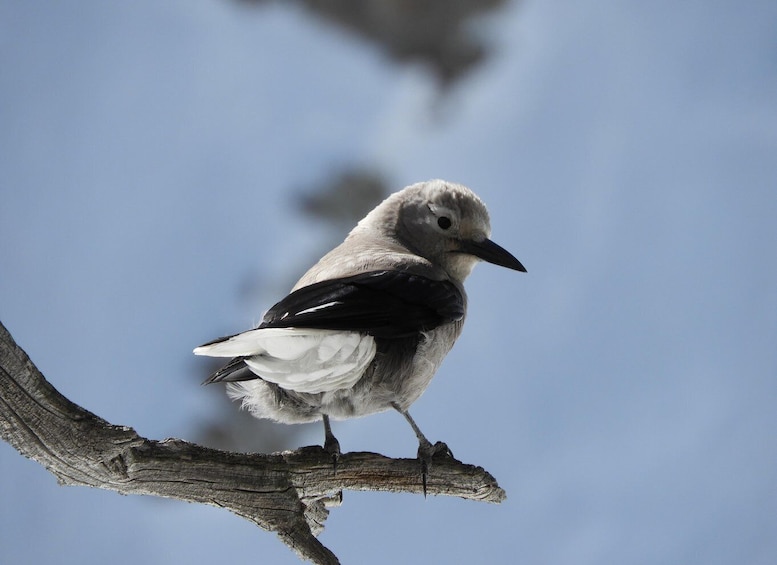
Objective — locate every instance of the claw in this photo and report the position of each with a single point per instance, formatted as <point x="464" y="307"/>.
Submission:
<point x="333" y="448"/>
<point x="331" y="445"/>
<point x="425" y="455"/>
<point x="427" y="452"/>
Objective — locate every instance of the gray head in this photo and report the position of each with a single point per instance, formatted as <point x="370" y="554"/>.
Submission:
<point x="443" y="222"/>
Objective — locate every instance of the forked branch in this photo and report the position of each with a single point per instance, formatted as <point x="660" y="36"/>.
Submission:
<point x="288" y="493"/>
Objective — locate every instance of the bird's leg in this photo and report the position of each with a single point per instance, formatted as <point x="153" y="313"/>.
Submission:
<point x="331" y="445"/>
<point x="426" y="451"/>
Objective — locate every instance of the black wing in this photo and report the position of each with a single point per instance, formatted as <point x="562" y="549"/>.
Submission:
<point x="385" y="304"/>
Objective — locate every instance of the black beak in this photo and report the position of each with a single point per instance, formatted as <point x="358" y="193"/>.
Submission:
<point x="493" y="253"/>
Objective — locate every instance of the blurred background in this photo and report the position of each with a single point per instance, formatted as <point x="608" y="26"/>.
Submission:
<point x="168" y="169"/>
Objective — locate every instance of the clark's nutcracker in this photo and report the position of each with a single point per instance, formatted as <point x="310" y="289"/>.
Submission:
<point x="365" y="329"/>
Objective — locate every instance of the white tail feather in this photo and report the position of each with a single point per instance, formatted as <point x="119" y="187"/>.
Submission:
<point x="300" y="359"/>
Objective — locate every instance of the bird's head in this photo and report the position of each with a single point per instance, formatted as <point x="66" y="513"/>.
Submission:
<point x="448" y="225"/>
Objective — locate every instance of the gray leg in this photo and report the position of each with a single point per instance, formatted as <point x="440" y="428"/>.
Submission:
<point x="425" y="448"/>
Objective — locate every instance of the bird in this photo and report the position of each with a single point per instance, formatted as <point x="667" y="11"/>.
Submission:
<point x="365" y="329"/>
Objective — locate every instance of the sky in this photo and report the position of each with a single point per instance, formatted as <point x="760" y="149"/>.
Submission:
<point x="622" y="391"/>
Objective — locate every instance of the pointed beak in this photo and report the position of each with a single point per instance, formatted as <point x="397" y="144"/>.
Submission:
<point x="493" y="253"/>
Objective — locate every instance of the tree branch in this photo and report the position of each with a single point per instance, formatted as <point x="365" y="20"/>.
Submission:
<point x="288" y="493"/>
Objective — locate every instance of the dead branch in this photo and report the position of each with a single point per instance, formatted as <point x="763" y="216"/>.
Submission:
<point x="288" y="493"/>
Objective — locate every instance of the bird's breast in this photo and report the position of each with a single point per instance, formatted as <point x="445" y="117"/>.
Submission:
<point x="432" y="348"/>
<point x="400" y="372"/>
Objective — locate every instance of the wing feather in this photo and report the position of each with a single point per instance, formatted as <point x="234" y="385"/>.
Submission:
<point x="387" y="304"/>
<point x="321" y="337"/>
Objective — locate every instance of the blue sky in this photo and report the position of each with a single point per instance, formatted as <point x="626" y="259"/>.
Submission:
<point x="623" y="392"/>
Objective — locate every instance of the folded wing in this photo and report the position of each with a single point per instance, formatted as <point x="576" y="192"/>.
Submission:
<point x="322" y="337"/>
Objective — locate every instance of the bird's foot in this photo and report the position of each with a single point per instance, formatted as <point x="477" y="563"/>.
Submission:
<point x="332" y="447"/>
<point x="426" y="453"/>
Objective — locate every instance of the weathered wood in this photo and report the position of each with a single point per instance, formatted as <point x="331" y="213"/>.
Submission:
<point x="288" y="493"/>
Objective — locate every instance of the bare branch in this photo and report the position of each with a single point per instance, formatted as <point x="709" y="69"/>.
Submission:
<point x="288" y="493"/>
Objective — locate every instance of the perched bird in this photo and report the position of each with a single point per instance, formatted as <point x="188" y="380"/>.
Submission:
<point x="365" y="329"/>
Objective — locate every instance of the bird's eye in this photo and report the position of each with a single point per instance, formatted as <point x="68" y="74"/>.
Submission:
<point x="444" y="222"/>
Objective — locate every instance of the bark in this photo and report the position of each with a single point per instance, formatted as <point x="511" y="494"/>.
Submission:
<point x="288" y="493"/>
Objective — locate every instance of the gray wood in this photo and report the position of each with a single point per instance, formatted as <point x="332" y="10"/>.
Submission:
<point x="288" y="493"/>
